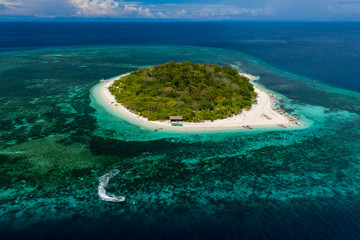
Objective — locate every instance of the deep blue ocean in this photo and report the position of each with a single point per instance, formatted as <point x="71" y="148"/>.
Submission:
<point x="56" y="141"/>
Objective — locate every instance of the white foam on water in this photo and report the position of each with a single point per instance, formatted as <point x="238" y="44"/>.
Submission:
<point x="103" y="182"/>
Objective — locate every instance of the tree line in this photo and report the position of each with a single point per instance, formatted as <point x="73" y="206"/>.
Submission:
<point x="195" y="91"/>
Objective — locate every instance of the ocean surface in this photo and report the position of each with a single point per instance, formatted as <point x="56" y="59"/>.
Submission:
<point x="56" y="142"/>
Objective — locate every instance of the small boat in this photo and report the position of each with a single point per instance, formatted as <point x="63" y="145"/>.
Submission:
<point x="282" y="125"/>
<point x="158" y="129"/>
<point x="176" y="124"/>
<point x="247" y="126"/>
<point x="102" y="80"/>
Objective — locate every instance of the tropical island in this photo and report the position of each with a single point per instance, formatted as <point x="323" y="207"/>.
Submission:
<point x="197" y="92"/>
<point x="198" y="97"/>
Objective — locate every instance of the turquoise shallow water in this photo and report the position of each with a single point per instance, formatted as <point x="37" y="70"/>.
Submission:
<point x="55" y="143"/>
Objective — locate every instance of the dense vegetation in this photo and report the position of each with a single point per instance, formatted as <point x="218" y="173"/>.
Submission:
<point x="195" y="91"/>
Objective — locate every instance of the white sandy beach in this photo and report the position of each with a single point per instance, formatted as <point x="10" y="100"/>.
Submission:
<point x="261" y="115"/>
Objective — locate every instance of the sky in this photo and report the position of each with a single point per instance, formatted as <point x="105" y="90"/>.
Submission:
<point x="203" y="10"/>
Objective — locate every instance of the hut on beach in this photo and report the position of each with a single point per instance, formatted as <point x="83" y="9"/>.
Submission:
<point x="176" y="118"/>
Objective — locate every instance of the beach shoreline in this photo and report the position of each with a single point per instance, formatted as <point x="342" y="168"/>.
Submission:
<point x="261" y="115"/>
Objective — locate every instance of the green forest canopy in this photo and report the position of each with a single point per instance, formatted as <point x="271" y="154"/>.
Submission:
<point x="195" y="91"/>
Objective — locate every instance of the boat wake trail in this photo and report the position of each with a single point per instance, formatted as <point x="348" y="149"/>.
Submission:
<point x="103" y="182"/>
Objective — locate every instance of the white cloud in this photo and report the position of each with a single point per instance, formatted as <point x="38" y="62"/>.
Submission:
<point x="139" y="11"/>
<point x="181" y="13"/>
<point x="121" y="9"/>
<point x="9" y="5"/>
<point x="161" y="15"/>
<point x="207" y="11"/>
<point x="91" y="8"/>
<point x="345" y="7"/>
<point x="36" y="8"/>
<point x="109" y="8"/>
<point x="214" y="10"/>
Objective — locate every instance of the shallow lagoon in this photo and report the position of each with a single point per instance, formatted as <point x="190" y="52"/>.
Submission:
<point x="55" y="143"/>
